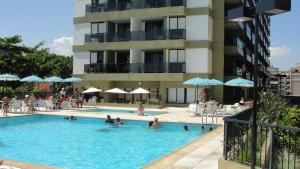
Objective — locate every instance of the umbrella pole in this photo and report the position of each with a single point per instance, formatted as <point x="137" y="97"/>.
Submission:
<point x="197" y="94"/>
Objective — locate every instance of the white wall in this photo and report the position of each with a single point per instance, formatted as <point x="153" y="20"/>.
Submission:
<point x="80" y="6"/>
<point x="198" y="3"/>
<point x="198" y="27"/>
<point x="79" y="60"/>
<point x="79" y="32"/>
<point x="135" y="56"/>
<point x="136" y="24"/>
<point x="198" y="60"/>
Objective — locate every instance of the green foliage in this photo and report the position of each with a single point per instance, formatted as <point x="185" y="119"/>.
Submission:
<point x="23" y="61"/>
<point x="290" y="117"/>
<point x="271" y="105"/>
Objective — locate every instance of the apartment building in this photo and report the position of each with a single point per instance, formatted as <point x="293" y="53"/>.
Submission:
<point x="278" y="81"/>
<point x="294" y="80"/>
<point x="158" y="44"/>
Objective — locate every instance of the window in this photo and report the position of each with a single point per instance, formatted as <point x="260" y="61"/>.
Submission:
<point x="97" y="2"/>
<point x="96" y="57"/>
<point x="191" y="95"/>
<point x="172" y="95"/>
<point x="177" y="23"/>
<point x="176" y="95"/>
<point x="176" y="55"/>
<point x="98" y="27"/>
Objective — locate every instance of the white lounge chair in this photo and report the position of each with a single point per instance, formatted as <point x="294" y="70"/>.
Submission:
<point x="211" y="109"/>
<point x="15" y="106"/>
<point x="42" y="105"/>
<point x="65" y="105"/>
<point x="191" y="110"/>
<point x="49" y="104"/>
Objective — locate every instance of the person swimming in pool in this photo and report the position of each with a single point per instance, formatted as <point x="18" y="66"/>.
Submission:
<point x="154" y="123"/>
<point x="109" y="120"/>
<point x="186" y="127"/>
<point x="71" y="118"/>
<point x="150" y="124"/>
<point x="202" y="129"/>
<point x="118" y="122"/>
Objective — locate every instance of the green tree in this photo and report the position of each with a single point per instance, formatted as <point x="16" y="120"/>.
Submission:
<point x="271" y="105"/>
<point x="23" y="60"/>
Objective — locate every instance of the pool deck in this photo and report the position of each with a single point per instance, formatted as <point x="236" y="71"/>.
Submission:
<point x="202" y="153"/>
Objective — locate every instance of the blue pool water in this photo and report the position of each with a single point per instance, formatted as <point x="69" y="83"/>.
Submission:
<point x="101" y="110"/>
<point x="87" y="143"/>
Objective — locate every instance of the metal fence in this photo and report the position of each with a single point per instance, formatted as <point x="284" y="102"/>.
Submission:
<point x="278" y="147"/>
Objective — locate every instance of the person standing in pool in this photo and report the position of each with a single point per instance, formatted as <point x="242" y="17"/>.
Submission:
<point x="109" y="120"/>
<point x="186" y="127"/>
<point x="141" y="109"/>
<point x="118" y="122"/>
<point x="154" y="123"/>
<point x="202" y="129"/>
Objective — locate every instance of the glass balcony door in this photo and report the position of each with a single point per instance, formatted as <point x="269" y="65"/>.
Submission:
<point x="153" y="62"/>
<point x="176" y="61"/>
<point x="154" y="30"/>
<point x="96" y="62"/>
<point x="123" y="31"/>
<point x="177" y="27"/>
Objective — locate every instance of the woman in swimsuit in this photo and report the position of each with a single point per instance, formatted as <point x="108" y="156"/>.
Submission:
<point x="5" y="105"/>
<point x="141" y="109"/>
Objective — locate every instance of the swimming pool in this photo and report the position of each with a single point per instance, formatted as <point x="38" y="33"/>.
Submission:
<point x="103" y="110"/>
<point x="87" y="143"/>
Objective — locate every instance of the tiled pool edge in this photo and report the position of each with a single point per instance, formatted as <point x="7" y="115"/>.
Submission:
<point x="23" y="165"/>
<point x="168" y="161"/>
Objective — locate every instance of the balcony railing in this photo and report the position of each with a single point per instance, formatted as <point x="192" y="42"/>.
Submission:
<point x="134" y="4"/>
<point x="169" y="34"/>
<point x="277" y="146"/>
<point x="136" y="68"/>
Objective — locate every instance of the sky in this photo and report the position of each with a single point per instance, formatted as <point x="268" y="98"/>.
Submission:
<point x="51" y="21"/>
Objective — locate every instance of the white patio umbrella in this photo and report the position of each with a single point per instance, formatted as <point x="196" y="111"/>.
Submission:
<point x="116" y="91"/>
<point x="92" y="90"/>
<point x="140" y="91"/>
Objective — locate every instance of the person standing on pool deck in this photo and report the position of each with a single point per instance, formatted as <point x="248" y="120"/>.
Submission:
<point x="5" y="105"/>
<point x="141" y="109"/>
<point x="109" y="120"/>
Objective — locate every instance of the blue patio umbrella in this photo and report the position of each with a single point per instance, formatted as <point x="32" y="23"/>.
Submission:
<point x="197" y="81"/>
<point x="8" y="77"/>
<point x="54" y="79"/>
<point x="32" y="78"/>
<point x="240" y="82"/>
<point x="215" y="82"/>
<point x="73" y="79"/>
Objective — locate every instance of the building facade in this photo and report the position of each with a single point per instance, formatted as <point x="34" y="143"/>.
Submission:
<point x="294" y="81"/>
<point x="158" y="44"/>
<point x="278" y="81"/>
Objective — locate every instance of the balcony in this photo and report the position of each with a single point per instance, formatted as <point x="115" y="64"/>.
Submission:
<point x="136" y="68"/>
<point x="133" y="4"/>
<point x="170" y="34"/>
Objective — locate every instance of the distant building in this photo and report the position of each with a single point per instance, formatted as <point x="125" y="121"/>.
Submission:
<point x="278" y="81"/>
<point x="294" y="80"/>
